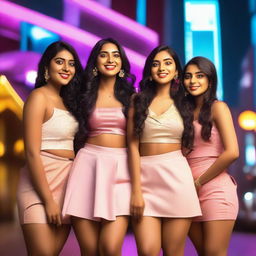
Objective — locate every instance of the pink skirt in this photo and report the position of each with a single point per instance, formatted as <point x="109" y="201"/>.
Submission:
<point x="30" y="206"/>
<point x="99" y="184"/>
<point x="218" y="197"/>
<point x="167" y="186"/>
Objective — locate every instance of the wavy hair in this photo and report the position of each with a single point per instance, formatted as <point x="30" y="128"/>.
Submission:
<point x="70" y="91"/>
<point x="205" y="117"/>
<point x="123" y="89"/>
<point x="148" y="91"/>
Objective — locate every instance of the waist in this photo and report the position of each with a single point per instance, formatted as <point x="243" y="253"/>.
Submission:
<point x="108" y="140"/>
<point x="63" y="153"/>
<point x="148" y="149"/>
<point x="50" y="144"/>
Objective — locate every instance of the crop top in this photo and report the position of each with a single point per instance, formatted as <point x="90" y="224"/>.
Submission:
<point x="165" y="128"/>
<point x="211" y="148"/>
<point x="58" y="132"/>
<point x="107" y="120"/>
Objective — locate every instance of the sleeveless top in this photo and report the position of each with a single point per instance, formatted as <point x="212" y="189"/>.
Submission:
<point x="211" y="148"/>
<point x="165" y="128"/>
<point x="58" y="132"/>
<point x="107" y="120"/>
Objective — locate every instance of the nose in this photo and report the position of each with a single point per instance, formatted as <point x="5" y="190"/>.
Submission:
<point x="65" y="66"/>
<point x="193" y="79"/>
<point x="110" y="59"/>
<point x="161" y="66"/>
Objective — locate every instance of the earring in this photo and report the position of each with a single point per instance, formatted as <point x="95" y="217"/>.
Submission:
<point x="121" y="73"/>
<point x="95" y="71"/>
<point x="150" y="79"/>
<point x="186" y="93"/>
<point x="46" y="75"/>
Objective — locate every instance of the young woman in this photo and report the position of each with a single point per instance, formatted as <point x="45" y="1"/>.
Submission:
<point x="212" y="137"/>
<point x="49" y="129"/>
<point x="98" y="191"/>
<point x="163" y="197"/>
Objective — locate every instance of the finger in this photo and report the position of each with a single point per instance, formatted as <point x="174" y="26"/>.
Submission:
<point x="58" y="220"/>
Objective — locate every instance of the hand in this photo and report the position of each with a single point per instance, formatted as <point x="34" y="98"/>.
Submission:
<point x="198" y="184"/>
<point x="137" y="205"/>
<point x="53" y="212"/>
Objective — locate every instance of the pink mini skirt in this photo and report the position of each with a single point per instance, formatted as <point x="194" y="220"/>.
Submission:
<point x="30" y="206"/>
<point x="218" y="197"/>
<point x="168" y="187"/>
<point x="99" y="184"/>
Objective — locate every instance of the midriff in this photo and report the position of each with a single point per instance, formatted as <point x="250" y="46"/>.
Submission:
<point x="108" y="140"/>
<point x="149" y="149"/>
<point x="62" y="153"/>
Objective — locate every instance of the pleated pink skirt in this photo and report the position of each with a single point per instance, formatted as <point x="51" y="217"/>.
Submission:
<point x="99" y="184"/>
<point x="30" y="206"/>
<point x="167" y="186"/>
<point x="218" y="197"/>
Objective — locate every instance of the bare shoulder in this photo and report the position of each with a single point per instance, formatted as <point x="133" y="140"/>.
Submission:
<point x="220" y="110"/>
<point x="36" y="98"/>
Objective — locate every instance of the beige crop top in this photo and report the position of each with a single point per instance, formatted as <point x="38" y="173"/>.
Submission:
<point x="164" y="128"/>
<point x="58" y="132"/>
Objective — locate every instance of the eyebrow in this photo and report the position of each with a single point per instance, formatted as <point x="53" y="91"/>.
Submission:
<point x="109" y="52"/>
<point x="63" y="59"/>
<point x="198" y="72"/>
<point x="163" y="60"/>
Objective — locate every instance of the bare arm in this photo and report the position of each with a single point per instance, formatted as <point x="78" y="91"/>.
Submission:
<point x="137" y="202"/>
<point x="33" y="117"/>
<point x="223" y="120"/>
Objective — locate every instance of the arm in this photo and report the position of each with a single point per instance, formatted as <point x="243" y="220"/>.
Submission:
<point x="223" y="120"/>
<point x="137" y="202"/>
<point x="33" y="117"/>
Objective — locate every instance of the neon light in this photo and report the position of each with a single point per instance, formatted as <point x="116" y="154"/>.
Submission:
<point x="141" y="12"/>
<point x="250" y="153"/>
<point x="39" y="33"/>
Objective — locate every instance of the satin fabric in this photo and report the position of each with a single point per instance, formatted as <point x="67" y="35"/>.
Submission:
<point x="167" y="186"/>
<point x="99" y="185"/>
<point x="30" y="206"/>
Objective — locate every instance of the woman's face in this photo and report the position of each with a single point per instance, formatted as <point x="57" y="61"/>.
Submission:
<point x="109" y="60"/>
<point x="196" y="82"/>
<point x="62" y="68"/>
<point x="163" y="68"/>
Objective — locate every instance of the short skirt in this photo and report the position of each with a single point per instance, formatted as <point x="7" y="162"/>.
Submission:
<point x="30" y="206"/>
<point x="99" y="184"/>
<point x="167" y="186"/>
<point x="218" y="197"/>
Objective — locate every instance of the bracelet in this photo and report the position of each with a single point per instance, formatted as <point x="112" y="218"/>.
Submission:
<point x="198" y="183"/>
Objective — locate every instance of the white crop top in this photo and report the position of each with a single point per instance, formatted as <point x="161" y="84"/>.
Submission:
<point x="58" y="132"/>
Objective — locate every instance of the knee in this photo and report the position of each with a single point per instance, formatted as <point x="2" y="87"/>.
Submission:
<point x="148" y="251"/>
<point x="110" y="249"/>
<point x="42" y="252"/>
<point x="214" y="251"/>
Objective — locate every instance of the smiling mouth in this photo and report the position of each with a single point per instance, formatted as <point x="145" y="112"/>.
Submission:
<point x="162" y="75"/>
<point x="193" y="88"/>
<point x="110" y="67"/>
<point x="64" y="76"/>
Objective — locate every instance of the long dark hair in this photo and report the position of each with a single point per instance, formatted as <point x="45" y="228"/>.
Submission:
<point x="123" y="89"/>
<point x="71" y="90"/>
<point x="148" y="90"/>
<point x="205" y="117"/>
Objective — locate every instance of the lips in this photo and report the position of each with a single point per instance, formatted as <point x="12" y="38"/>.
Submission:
<point x="193" y="88"/>
<point x="64" y="76"/>
<point x="110" y="67"/>
<point x="162" y="75"/>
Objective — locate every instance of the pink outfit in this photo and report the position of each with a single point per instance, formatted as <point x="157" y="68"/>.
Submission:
<point x="99" y="184"/>
<point x="166" y="180"/>
<point x="30" y="206"/>
<point x="218" y="197"/>
<point x="107" y="120"/>
<point x="57" y="133"/>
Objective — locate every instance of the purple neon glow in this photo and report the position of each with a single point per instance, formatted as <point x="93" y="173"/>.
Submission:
<point x="118" y="20"/>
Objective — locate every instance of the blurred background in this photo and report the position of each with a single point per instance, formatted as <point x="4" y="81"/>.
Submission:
<point x="221" y="30"/>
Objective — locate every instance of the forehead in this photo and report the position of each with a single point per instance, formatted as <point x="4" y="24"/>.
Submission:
<point x="163" y="55"/>
<point x="109" y="47"/>
<point x="192" y="69"/>
<point x="64" y="54"/>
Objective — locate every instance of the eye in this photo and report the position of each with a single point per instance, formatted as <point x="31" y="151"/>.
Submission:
<point x="102" y="55"/>
<point x="187" y="76"/>
<point x="72" y="63"/>
<point x="200" y="75"/>
<point x="155" y="64"/>
<point x="117" y="55"/>
<point x="168" y="63"/>
<point x="59" y="61"/>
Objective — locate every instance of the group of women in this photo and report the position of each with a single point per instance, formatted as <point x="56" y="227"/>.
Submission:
<point x="99" y="154"/>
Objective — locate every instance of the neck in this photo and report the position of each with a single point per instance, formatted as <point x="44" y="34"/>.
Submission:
<point x="163" y="90"/>
<point x="199" y="101"/>
<point x="107" y="83"/>
<point x="54" y="87"/>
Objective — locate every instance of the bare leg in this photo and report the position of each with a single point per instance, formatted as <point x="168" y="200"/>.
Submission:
<point x="196" y="236"/>
<point x="217" y="236"/>
<point x="45" y="239"/>
<point x="87" y="234"/>
<point x="148" y="236"/>
<point x="174" y="235"/>
<point x="112" y="236"/>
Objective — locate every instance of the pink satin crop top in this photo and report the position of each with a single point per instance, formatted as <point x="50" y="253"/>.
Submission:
<point x="58" y="132"/>
<point x="211" y="148"/>
<point x="107" y="120"/>
<point x="165" y="128"/>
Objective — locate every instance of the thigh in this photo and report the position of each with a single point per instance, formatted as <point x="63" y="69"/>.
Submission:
<point x="44" y="239"/>
<point x="148" y="235"/>
<point x="174" y="233"/>
<point x="216" y="242"/>
<point x="87" y="234"/>
<point x="196" y="236"/>
<point x="112" y="235"/>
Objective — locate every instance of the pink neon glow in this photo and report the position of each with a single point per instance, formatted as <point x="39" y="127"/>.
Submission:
<point x="118" y="20"/>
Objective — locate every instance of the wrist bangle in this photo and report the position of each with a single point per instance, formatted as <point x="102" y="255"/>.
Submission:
<point x="198" y="183"/>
